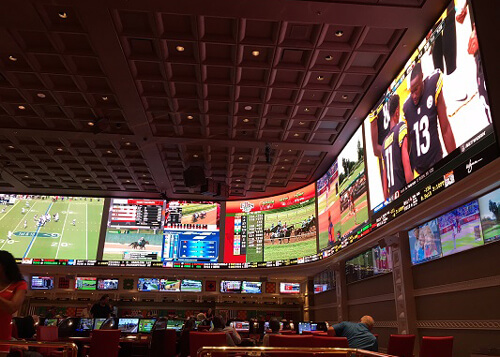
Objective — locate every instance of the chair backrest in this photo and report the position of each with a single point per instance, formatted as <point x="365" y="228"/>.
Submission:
<point x="67" y="326"/>
<point x="291" y="341"/>
<point x="436" y="346"/>
<point x="201" y="339"/>
<point x="109" y="324"/>
<point x="104" y="343"/>
<point x="203" y="328"/>
<point x="47" y="334"/>
<point x="327" y="341"/>
<point x="288" y="332"/>
<point x="163" y="343"/>
<point x="401" y="345"/>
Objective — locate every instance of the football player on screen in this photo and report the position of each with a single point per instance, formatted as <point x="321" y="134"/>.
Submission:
<point x="422" y="111"/>
<point x="396" y="165"/>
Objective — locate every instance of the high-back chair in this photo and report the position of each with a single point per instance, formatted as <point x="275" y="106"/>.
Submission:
<point x="401" y="345"/>
<point x="436" y="346"/>
<point x="163" y="343"/>
<point x="201" y="339"/>
<point x="47" y="334"/>
<point x="104" y="343"/>
<point x="291" y="341"/>
<point x="327" y="341"/>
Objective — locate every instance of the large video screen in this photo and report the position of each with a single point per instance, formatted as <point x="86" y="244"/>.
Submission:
<point x="489" y="208"/>
<point x="135" y="230"/>
<point x="433" y="126"/>
<point x="50" y="227"/>
<point x="342" y="195"/>
<point x="274" y="228"/>
<point x="425" y="242"/>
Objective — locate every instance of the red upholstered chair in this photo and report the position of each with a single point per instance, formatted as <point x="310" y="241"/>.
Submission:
<point x="103" y="343"/>
<point x="291" y="341"/>
<point x="203" y="328"/>
<point x="201" y="339"/>
<point x="327" y="341"/>
<point x="401" y="345"/>
<point x="163" y="343"/>
<point x="288" y="332"/>
<point x="304" y="333"/>
<point x="47" y="334"/>
<point x="436" y="346"/>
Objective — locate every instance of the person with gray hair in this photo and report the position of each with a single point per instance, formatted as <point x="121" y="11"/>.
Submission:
<point x="358" y="334"/>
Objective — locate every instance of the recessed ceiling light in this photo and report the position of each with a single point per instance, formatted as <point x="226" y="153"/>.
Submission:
<point x="90" y="123"/>
<point x="320" y="78"/>
<point x="248" y="107"/>
<point x="296" y="134"/>
<point x="246" y="120"/>
<point x="289" y="150"/>
<point x="301" y="123"/>
<point x="62" y="14"/>
<point x="286" y="160"/>
<point x="26" y="176"/>
<point x="189" y="117"/>
<point x="339" y="33"/>
<point x="12" y="58"/>
<point x="306" y="109"/>
<point x="143" y="175"/>
<point x="59" y="149"/>
<point x="128" y="181"/>
<point x="282" y="167"/>
<point x="87" y="179"/>
<point x="109" y="151"/>
<point x="40" y="95"/>
<point x="146" y="182"/>
<point x="344" y="96"/>
<point x="104" y="98"/>
<point x="22" y="107"/>
<point x="11" y="147"/>
<point x="238" y="180"/>
<point x="276" y="181"/>
<point x="240" y="158"/>
<point x="128" y="143"/>
<point x="180" y="49"/>
<point x="237" y="185"/>
<point x="195" y="155"/>
<point x="308" y="160"/>
<point x="328" y="57"/>
<point x="255" y="53"/>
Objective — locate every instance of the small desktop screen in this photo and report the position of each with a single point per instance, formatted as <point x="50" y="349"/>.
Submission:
<point x="50" y="322"/>
<point x="128" y="325"/>
<point x="304" y="326"/>
<point x="107" y="284"/>
<point x="85" y="325"/>
<point x="175" y="324"/>
<point x="42" y="283"/>
<point x="251" y="287"/>
<point x="266" y="326"/>
<point x="146" y="325"/>
<point x="230" y="286"/>
<point x="85" y="283"/>
<point x="241" y="326"/>
<point x="98" y="322"/>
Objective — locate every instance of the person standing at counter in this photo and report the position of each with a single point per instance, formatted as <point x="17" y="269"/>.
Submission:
<point x="101" y="309"/>
<point x="12" y="293"/>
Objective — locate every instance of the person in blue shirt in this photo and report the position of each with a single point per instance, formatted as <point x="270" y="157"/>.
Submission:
<point x="358" y="334"/>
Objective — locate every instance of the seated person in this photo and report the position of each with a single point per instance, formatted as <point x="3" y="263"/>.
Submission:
<point x="274" y="325"/>
<point x="203" y="318"/>
<point x="189" y="326"/>
<point x="219" y="326"/>
<point x="232" y="331"/>
<point x="358" y="334"/>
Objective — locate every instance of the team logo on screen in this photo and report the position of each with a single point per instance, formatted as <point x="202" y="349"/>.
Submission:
<point x="246" y="206"/>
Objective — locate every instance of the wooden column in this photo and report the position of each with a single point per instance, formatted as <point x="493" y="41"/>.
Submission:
<point x="341" y="291"/>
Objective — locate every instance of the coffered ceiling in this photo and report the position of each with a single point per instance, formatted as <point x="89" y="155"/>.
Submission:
<point x="120" y="97"/>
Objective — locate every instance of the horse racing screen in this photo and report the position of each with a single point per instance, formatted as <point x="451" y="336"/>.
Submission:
<point x="273" y="228"/>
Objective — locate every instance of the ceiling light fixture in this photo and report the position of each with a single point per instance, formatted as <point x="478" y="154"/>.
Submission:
<point x="189" y="117"/>
<point x="286" y="160"/>
<point x="306" y="109"/>
<point x="320" y="78"/>
<point x="329" y="57"/>
<point x="26" y="176"/>
<point x="12" y="58"/>
<point x="143" y="175"/>
<point x="301" y="123"/>
<point x="246" y="120"/>
<point x="339" y="33"/>
<point x="255" y="53"/>
<point x="248" y="107"/>
<point x="62" y="14"/>
<point x="238" y="180"/>
<point x="180" y="49"/>
<point x="22" y="107"/>
<point x="109" y="151"/>
<point x="40" y="95"/>
<point x="146" y="182"/>
<point x="344" y="96"/>
<point x="128" y="181"/>
<point x="10" y="147"/>
<point x="104" y="98"/>
<point x="90" y="123"/>
<point x="195" y="156"/>
<point x="128" y="143"/>
<point x="296" y="134"/>
<point x="59" y="149"/>
<point x="87" y="179"/>
<point x="240" y="158"/>
<point x="289" y="150"/>
<point x="282" y="167"/>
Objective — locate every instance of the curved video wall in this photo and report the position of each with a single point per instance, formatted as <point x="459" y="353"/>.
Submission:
<point x="418" y="140"/>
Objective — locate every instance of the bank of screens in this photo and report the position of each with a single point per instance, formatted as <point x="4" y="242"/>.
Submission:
<point x="134" y="230"/>
<point x="148" y="284"/>
<point x="369" y="263"/>
<point x="290" y="288"/>
<point x="98" y="322"/>
<point x="489" y="209"/>
<point x="175" y="324"/>
<point x="85" y="325"/>
<point x="342" y="196"/>
<point x="128" y="325"/>
<point x="274" y="228"/>
<point x="51" y="227"/>
<point x="107" y="284"/>
<point x="251" y="287"/>
<point x="425" y="116"/>
<point x="85" y="283"/>
<point x="42" y="282"/>
<point x="324" y="281"/>
<point x="169" y="285"/>
<point x="51" y="322"/>
<point x="146" y="325"/>
<point x="241" y="326"/>
<point x="191" y="286"/>
<point x="230" y="286"/>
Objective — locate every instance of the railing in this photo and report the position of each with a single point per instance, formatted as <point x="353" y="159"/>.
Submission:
<point x="268" y="351"/>
<point x="69" y="348"/>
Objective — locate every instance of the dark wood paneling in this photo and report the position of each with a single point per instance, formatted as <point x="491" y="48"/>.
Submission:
<point x="377" y="285"/>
